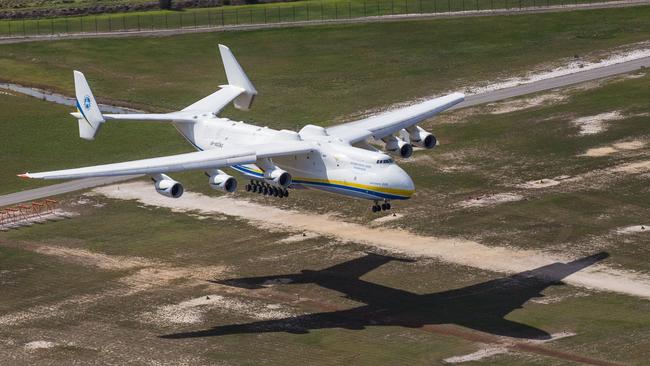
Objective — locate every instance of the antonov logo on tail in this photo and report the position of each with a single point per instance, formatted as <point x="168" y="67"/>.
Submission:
<point x="87" y="102"/>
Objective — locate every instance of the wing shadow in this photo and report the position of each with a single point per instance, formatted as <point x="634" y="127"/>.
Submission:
<point x="481" y="307"/>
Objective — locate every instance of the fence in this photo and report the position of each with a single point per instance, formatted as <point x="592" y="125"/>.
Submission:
<point x="262" y="14"/>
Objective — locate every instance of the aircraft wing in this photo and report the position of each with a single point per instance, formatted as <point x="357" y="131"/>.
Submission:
<point x="208" y="159"/>
<point x="388" y="123"/>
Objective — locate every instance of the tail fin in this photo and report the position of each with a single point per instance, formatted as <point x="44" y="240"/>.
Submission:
<point x="90" y="117"/>
<point x="237" y="77"/>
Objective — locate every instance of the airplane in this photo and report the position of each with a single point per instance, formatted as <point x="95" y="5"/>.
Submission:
<point x="336" y="159"/>
<point x="482" y="306"/>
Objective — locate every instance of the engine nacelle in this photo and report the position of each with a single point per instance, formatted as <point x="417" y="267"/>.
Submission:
<point x="221" y="181"/>
<point x="421" y="138"/>
<point x="274" y="175"/>
<point x="397" y="146"/>
<point x="278" y="177"/>
<point x="167" y="186"/>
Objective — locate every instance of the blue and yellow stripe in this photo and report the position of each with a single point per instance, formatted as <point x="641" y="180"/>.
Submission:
<point x="379" y="192"/>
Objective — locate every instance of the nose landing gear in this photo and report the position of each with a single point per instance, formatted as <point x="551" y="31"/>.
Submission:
<point x="383" y="207"/>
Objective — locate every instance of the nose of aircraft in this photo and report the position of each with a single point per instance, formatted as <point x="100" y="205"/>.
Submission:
<point x="400" y="181"/>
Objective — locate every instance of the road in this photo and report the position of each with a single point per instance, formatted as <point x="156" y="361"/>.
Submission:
<point x="487" y="97"/>
<point x="302" y="23"/>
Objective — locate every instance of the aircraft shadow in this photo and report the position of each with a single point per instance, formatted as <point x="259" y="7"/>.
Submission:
<point x="481" y="307"/>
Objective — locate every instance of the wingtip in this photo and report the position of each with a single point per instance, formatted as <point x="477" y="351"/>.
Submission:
<point x="223" y="46"/>
<point x="24" y="176"/>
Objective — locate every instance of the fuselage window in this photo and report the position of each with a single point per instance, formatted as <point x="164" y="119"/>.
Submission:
<point x="385" y="161"/>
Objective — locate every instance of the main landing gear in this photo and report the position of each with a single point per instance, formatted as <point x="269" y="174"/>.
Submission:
<point x="383" y="207"/>
<point x="266" y="189"/>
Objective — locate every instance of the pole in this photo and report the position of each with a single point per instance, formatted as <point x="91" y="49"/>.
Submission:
<point x="81" y="24"/>
<point x="138" y="22"/>
<point x="96" y="24"/>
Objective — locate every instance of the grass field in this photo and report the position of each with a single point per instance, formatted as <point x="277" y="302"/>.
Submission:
<point x="302" y="80"/>
<point x="133" y="305"/>
<point x="305" y="10"/>
<point x="127" y="283"/>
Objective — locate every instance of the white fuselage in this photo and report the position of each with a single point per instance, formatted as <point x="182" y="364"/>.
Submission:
<point x="334" y="165"/>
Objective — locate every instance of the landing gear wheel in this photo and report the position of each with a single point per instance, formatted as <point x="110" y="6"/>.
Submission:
<point x="248" y="188"/>
<point x="387" y="205"/>
<point x="275" y="191"/>
<point x="384" y="207"/>
<point x="376" y="208"/>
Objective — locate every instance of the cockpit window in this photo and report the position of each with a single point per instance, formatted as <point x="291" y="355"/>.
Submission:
<point x="385" y="161"/>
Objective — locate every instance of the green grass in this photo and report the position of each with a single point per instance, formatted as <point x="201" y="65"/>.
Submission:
<point x="257" y="14"/>
<point x="608" y="326"/>
<point x="302" y="80"/>
<point x="41" y="135"/>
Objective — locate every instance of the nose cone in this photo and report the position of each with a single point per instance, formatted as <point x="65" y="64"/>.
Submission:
<point x="400" y="182"/>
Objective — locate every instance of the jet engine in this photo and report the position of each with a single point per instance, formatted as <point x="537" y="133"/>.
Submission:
<point x="274" y="175"/>
<point x="397" y="146"/>
<point x="221" y="181"/>
<point x="278" y="177"/>
<point x="167" y="186"/>
<point x="419" y="137"/>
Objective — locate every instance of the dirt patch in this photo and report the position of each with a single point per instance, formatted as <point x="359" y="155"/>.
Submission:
<point x="615" y="148"/>
<point x="86" y="257"/>
<point x="478" y="355"/>
<point x="490" y="200"/>
<point x="634" y="229"/>
<point x="191" y="311"/>
<point x="544" y="182"/>
<point x="633" y="168"/>
<point x="39" y="345"/>
<point x="387" y="218"/>
<point x="299" y="237"/>
<point x="590" y="125"/>
<point x="521" y="104"/>
<point x="454" y="250"/>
